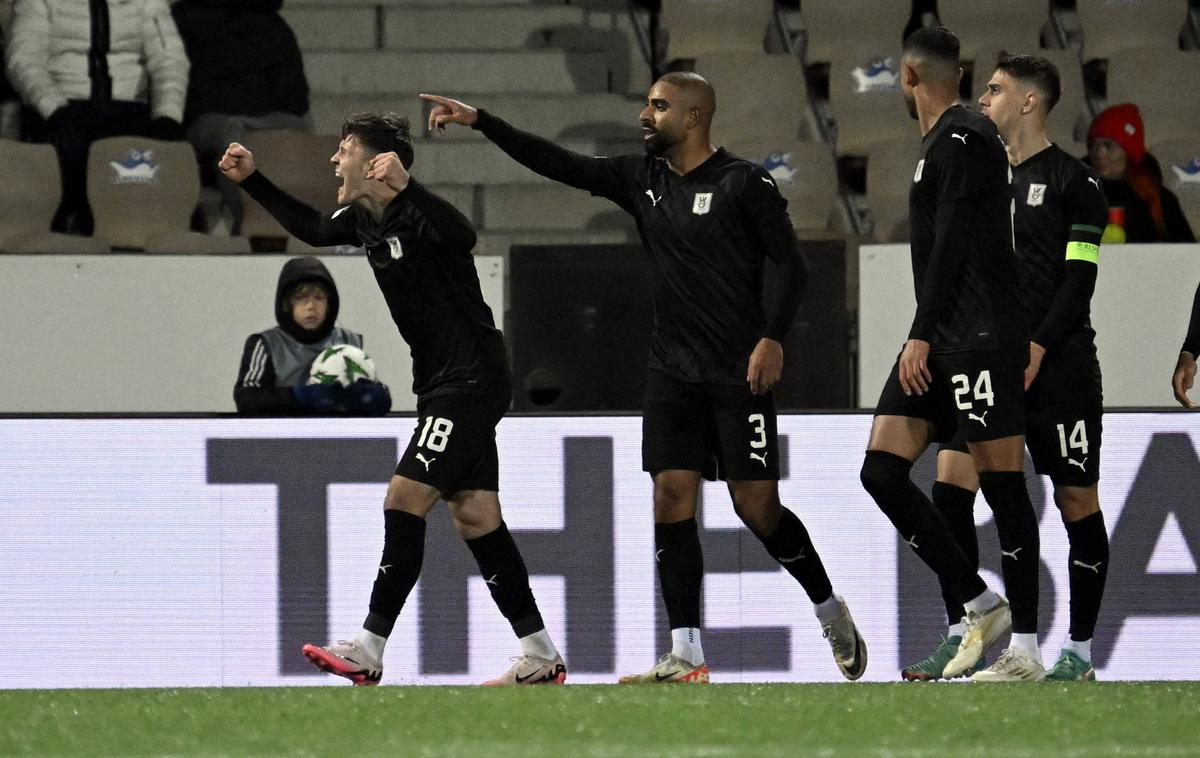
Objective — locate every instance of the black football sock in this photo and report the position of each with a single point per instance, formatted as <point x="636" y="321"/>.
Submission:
<point x="680" y="571"/>
<point x="403" y="551"/>
<point x="885" y="477"/>
<point x="504" y="571"/>
<point x="793" y="548"/>
<point x="1088" y="571"/>
<point x="957" y="506"/>
<point x="1017" y="527"/>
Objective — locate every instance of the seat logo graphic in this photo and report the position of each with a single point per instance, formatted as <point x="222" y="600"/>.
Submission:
<point x="777" y="165"/>
<point x="1188" y="173"/>
<point x="879" y="75"/>
<point x="137" y="167"/>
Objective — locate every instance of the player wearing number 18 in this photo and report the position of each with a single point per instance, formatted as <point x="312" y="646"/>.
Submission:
<point x="419" y="248"/>
<point x="961" y="367"/>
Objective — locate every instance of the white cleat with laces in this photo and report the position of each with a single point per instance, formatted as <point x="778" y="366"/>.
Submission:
<point x="1013" y="665"/>
<point x="849" y="648"/>
<point x="346" y="659"/>
<point x="530" y="669"/>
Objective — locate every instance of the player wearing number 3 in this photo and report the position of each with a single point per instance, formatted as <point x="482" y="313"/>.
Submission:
<point x="709" y="220"/>
<point x="962" y="365"/>
<point x="419" y="248"/>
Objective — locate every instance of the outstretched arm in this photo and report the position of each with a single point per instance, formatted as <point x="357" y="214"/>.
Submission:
<point x="1185" y="368"/>
<point x="600" y="176"/>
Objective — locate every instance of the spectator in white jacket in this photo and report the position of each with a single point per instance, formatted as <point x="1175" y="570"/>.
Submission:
<point x="93" y="69"/>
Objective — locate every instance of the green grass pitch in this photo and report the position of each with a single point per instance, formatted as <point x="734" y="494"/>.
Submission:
<point x="754" y="720"/>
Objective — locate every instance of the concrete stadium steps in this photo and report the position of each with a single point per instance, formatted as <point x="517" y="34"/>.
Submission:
<point x="589" y="116"/>
<point x="548" y="207"/>
<point x="486" y="28"/>
<point x="379" y="71"/>
<point x="328" y="26"/>
<point x="499" y="243"/>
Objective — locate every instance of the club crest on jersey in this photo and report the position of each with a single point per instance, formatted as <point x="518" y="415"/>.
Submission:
<point x="702" y="203"/>
<point x="1037" y="193"/>
<point x="920" y="168"/>
<point x="395" y="248"/>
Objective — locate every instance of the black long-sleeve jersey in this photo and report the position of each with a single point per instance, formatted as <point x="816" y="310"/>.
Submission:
<point x="708" y="234"/>
<point x="960" y="211"/>
<point x="1059" y="218"/>
<point x="420" y="253"/>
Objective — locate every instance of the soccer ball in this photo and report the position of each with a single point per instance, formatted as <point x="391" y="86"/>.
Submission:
<point x="342" y="364"/>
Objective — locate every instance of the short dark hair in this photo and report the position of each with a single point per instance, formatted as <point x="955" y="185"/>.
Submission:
<point x="1036" y="69"/>
<point x="935" y="42"/>
<point x="381" y="133"/>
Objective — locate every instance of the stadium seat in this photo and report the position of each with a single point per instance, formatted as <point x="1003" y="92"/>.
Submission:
<point x="27" y="206"/>
<point x="1163" y="84"/>
<point x="695" y="27"/>
<point x="1109" y="26"/>
<point x="832" y="24"/>
<point x="297" y="162"/>
<point x="54" y="243"/>
<point x="193" y="243"/>
<point x="890" y="168"/>
<point x="1014" y="25"/>
<point x="865" y="99"/>
<point x="744" y="81"/>
<point x="1180" y="162"/>
<point x="138" y="186"/>
<point x="544" y="207"/>
<point x="500" y="27"/>
<point x="1071" y="116"/>
<point x="804" y="172"/>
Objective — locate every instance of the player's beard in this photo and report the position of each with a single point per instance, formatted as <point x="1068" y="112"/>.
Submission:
<point x="658" y="144"/>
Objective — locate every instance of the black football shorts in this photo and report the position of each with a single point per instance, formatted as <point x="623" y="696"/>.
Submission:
<point x="453" y="447"/>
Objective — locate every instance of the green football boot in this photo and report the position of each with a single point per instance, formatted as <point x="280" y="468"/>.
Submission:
<point x="931" y="668"/>
<point x="1071" y="668"/>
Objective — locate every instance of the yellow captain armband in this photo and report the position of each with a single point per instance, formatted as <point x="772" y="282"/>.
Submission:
<point x="1083" y="251"/>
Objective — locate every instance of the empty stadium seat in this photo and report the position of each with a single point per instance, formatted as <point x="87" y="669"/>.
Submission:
<point x="297" y="162"/>
<point x="744" y="81"/>
<point x="1071" y="116"/>
<point x="545" y="207"/>
<point x="138" y="186"/>
<point x="1014" y="25"/>
<point x="1163" y="84"/>
<point x="1113" y="25"/>
<point x="804" y="172"/>
<point x="1180" y="162"/>
<point x="696" y="27"/>
<point x="865" y="99"/>
<point x="27" y="206"/>
<point x="830" y="25"/>
<point x="890" y="169"/>
<point x="54" y="243"/>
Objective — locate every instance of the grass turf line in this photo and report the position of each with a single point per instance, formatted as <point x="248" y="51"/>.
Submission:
<point x="760" y="720"/>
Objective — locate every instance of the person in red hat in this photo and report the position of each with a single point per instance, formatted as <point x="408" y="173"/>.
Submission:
<point x="1133" y="179"/>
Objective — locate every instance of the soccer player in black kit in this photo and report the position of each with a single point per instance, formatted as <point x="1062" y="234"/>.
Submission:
<point x="961" y="367"/>
<point x="709" y="220"/>
<point x="419" y="248"/>
<point x="1060" y="213"/>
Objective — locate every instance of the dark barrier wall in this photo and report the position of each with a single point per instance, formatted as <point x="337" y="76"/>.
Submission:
<point x="579" y="324"/>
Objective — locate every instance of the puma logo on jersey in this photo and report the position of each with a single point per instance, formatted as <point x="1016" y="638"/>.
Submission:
<point x="980" y="419"/>
<point x="1013" y="554"/>
<point x="653" y="199"/>
<point x="760" y="458"/>
<point x="1080" y="464"/>
<point x="1094" y="181"/>
<point x="426" y="461"/>
<point x="768" y="181"/>
<point x="956" y="135"/>
<point x="911" y="542"/>
<point x="794" y="558"/>
<point x="1090" y="567"/>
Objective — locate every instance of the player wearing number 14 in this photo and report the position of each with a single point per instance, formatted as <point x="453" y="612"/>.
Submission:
<point x="419" y="249"/>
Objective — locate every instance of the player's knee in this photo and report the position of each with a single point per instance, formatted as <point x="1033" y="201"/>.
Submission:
<point x="757" y="507"/>
<point x="882" y="473"/>
<point x="673" y="495"/>
<point x="1076" y="503"/>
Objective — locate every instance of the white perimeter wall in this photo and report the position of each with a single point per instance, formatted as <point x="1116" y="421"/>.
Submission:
<point x="146" y="333"/>
<point x="1140" y="312"/>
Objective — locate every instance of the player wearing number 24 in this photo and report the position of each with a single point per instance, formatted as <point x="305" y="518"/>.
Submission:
<point x="419" y="251"/>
